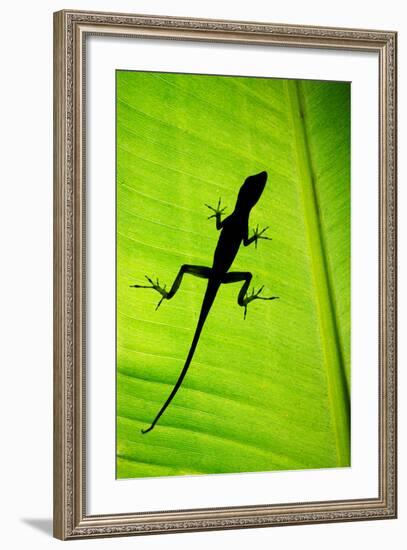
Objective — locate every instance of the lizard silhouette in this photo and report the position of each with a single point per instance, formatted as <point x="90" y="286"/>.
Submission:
<point x="235" y="231"/>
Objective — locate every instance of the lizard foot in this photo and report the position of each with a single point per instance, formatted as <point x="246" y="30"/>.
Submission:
<point x="217" y="212"/>
<point x="259" y="235"/>
<point x="155" y="286"/>
<point x="255" y="296"/>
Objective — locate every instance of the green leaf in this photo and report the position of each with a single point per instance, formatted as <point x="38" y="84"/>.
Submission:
<point x="270" y="392"/>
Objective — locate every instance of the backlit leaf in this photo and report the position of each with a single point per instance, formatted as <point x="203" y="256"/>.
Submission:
<point x="270" y="392"/>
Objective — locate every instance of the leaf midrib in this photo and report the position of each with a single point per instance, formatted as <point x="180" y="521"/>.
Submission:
<point x="338" y="394"/>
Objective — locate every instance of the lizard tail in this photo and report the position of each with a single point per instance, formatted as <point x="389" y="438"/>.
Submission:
<point x="208" y="300"/>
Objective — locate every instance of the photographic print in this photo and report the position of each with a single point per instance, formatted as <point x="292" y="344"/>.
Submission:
<point x="232" y="274"/>
<point x="220" y="188"/>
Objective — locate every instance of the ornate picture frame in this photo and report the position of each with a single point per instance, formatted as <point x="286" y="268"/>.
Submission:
<point x="72" y="519"/>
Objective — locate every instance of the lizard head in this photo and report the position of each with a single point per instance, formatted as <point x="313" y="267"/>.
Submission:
<point x="251" y="191"/>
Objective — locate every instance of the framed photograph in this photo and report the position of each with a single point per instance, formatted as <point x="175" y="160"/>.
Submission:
<point x="225" y="274"/>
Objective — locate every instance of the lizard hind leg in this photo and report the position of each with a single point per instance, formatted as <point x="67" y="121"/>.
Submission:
<point x="154" y="286"/>
<point x="197" y="270"/>
<point x="244" y="297"/>
<point x="255" y="296"/>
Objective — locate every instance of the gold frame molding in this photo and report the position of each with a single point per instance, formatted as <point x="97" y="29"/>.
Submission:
<point x="70" y="518"/>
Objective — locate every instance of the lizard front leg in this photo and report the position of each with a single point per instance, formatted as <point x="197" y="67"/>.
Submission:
<point x="244" y="298"/>
<point x="218" y="211"/>
<point x="256" y="236"/>
<point x="196" y="270"/>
